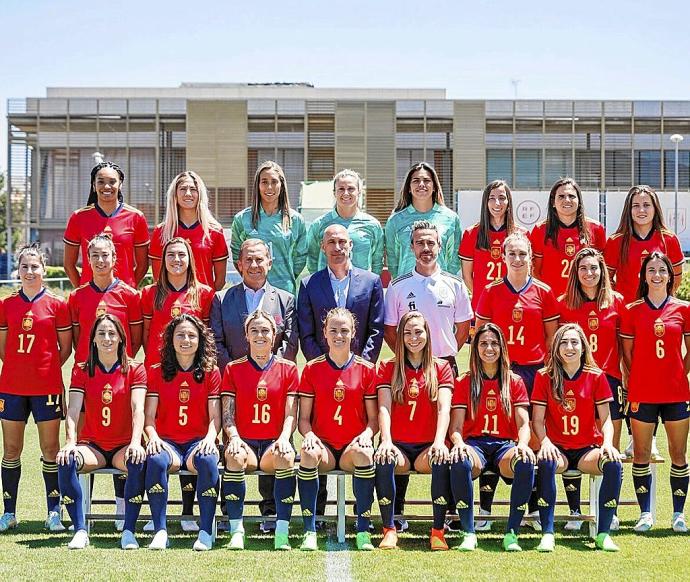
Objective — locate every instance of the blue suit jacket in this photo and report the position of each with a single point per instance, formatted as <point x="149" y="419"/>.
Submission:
<point x="364" y="300"/>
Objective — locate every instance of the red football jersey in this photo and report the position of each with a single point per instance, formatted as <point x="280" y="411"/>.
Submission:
<point x="657" y="374"/>
<point x="521" y="316"/>
<point x="182" y="413"/>
<point x="108" y="403"/>
<point x="127" y="227"/>
<point x="557" y="260"/>
<point x="176" y="303"/>
<point x="414" y="420"/>
<point x="260" y="395"/>
<point x="602" y="327"/>
<point x="31" y="366"/>
<point x="489" y="419"/>
<point x="572" y="424"/>
<point x="338" y="411"/>
<point x="206" y="251"/>
<point x="627" y="269"/>
<point x="88" y="302"/>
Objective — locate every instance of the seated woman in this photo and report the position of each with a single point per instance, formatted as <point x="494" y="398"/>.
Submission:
<point x="490" y="430"/>
<point x="569" y="395"/>
<point x="259" y="411"/>
<point x="338" y="420"/>
<point x="414" y="393"/>
<point x="111" y="388"/>
<point x="182" y="423"/>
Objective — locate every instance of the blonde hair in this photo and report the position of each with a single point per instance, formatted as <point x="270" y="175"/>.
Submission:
<point x="574" y="295"/>
<point x="203" y="214"/>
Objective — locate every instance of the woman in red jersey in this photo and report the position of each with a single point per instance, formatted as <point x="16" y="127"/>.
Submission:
<point x="338" y="420"/>
<point x="414" y="391"/>
<point x="187" y="216"/>
<point x="35" y="340"/>
<point x="481" y="249"/>
<point x="641" y="231"/>
<point x="259" y="417"/>
<point x="566" y="230"/>
<point x="111" y="389"/>
<point x="182" y="421"/>
<point x="655" y="329"/>
<point x="570" y="399"/>
<point x="490" y="429"/>
<point x="106" y="212"/>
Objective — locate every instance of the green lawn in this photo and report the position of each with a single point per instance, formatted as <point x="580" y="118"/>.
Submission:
<point x="29" y="552"/>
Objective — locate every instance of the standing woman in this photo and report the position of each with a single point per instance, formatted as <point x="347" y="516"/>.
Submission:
<point x="481" y="248"/>
<point x="570" y="399"/>
<point x="338" y="420"/>
<point x="421" y="198"/>
<point x="106" y="212"/>
<point x="259" y="416"/>
<point x="182" y="420"/>
<point x="110" y="388"/>
<point x="271" y="219"/>
<point x="414" y="393"/>
<point x="35" y="340"/>
<point x="187" y="216"/>
<point x="490" y="429"/>
<point x="365" y="231"/>
<point x="641" y="231"/>
<point x="655" y="328"/>
<point x="566" y="230"/>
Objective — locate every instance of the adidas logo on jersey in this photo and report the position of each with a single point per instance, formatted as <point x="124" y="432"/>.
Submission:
<point x="288" y="500"/>
<point x="461" y="504"/>
<point x="66" y="500"/>
<point x="642" y="489"/>
<point x="440" y="501"/>
<point x="679" y="493"/>
<point x="210" y="493"/>
<point x="542" y="502"/>
<point x="306" y="513"/>
<point x="570" y="487"/>
<point x="411" y="295"/>
<point x="157" y="488"/>
<point x="611" y="504"/>
<point x="569" y="393"/>
<point x="138" y="499"/>
<point x="188" y="487"/>
<point x="486" y="488"/>
<point x="232" y="497"/>
<point x="384" y="501"/>
<point x="54" y="493"/>
<point x="523" y="507"/>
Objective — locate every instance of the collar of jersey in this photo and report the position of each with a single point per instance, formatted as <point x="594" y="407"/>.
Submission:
<point x="108" y="288"/>
<point x="433" y="275"/>
<point x="636" y="236"/>
<point x="183" y="226"/>
<point x="654" y="307"/>
<point x="345" y="366"/>
<point x="412" y="210"/>
<point x="348" y="220"/>
<point x="576" y="376"/>
<point x="256" y="366"/>
<point x="499" y="229"/>
<point x="518" y="291"/>
<point x="115" y="368"/>
<point x="486" y="377"/>
<point x="563" y="225"/>
<point x="36" y="297"/>
<point x="104" y="215"/>
<point x="182" y="289"/>
<point x="409" y="365"/>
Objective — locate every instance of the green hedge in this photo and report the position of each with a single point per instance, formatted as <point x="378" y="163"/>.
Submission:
<point x="684" y="289"/>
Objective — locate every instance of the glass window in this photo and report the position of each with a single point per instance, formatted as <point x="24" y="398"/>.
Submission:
<point x="588" y="168"/>
<point x="528" y="168"/>
<point x="557" y="164"/>
<point x="670" y="169"/>
<point x="648" y="168"/>
<point x="499" y="165"/>
<point x="618" y="168"/>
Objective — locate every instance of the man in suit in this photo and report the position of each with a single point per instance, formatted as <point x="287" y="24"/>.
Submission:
<point x="340" y="285"/>
<point x="229" y="310"/>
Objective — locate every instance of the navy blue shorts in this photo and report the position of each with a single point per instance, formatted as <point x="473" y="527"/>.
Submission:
<point x="527" y="373"/>
<point x="490" y="451"/>
<point x="650" y="412"/>
<point x="617" y="405"/>
<point x="337" y="453"/>
<point x="43" y="408"/>
<point x="574" y="455"/>
<point x="412" y="450"/>
<point x="183" y="450"/>
<point x="259" y="446"/>
<point x="107" y="455"/>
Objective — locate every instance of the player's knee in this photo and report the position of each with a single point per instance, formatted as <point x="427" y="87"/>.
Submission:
<point x="135" y="468"/>
<point x="12" y="450"/>
<point x="236" y="461"/>
<point x="309" y="459"/>
<point x="205" y="463"/>
<point x="158" y="461"/>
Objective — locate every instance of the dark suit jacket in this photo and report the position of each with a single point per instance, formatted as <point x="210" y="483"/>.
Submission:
<point x="364" y="299"/>
<point x="228" y="312"/>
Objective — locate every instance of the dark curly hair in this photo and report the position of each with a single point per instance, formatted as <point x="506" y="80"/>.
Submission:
<point x="205" y="357"/>
<point x="93" y="197"/>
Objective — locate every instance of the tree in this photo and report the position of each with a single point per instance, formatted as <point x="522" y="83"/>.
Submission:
<point x="16" y="233"/>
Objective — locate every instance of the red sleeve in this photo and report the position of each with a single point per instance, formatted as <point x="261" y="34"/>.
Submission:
<point x="137" y="375"/>
<point x="551" y="310"/>
<point x="206" y="299"/>
<point x="602" y="390"/>
<point x="73" y="305"/>
<point x="63" y="321"/>
<point x="540" y="391"/>
<point x="445" y="375"/>
<point x="134" y="308"/>
<point x="627" y="323"/>
<point x="3" y="316"/>
<point x="369" y="378"/>
<point x="468" y="244"/>
<point x="598" y="236"/>
<point x="305" y="385"/>
<point x="612" y="253"/>
<point x="536" y="238"/>
<point x="154" y="377"/>
<point x="213" y="383"/>
<point x="146" y="305"/>
<point x="485" y="307"/>
<point x="460" y="391"/>
<point x="674" y="251"/>
<point x="72" y="234"/>
<point x="79" y="378"/>
<point x="156" y="246"/>
<point x="220" y="246"/>
<point x="228" y="386"/>
<point x="292" y="381"/>
<point x="141" y="231"/>
<point x="384" y="374"/>
<point x="518" y="392"/>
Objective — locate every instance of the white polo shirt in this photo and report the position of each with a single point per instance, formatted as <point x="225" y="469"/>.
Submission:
<point x="441" y="298"/>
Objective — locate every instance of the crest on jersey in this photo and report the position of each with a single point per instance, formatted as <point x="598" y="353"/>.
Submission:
<point x="102" y="309"/>
<point x="496" y="249"/>
<point x="339" y="391"/>
<point x="28" y="321"/>
<point x="107" y="394"/>
<point x="491" y="403"/>
<point x="184" y="392"/>
<point x="659" y="328"/>
<point x="517" y="313"/>
<point x="413" y="390"/>
<point x="570" y="247"/>
<point x="262" y="390"/>
<point x="569" y="402"/>
<point x="175" y="310"/>
<point x="593" y="321"/>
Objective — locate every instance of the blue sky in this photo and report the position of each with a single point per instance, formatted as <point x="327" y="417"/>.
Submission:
<point x="588" y="49"/>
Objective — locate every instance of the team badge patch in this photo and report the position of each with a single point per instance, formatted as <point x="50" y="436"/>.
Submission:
<point x="569" y="402"/>
<point x="496" y="249"/>
<point x="570" y="247"/>
<point x="175" y="310"/>
<point x="413" y="390"/>
<point x="593" y="321"/>
<point x="107" y="394"/>
<point x="517" y="313"/>
<point x="262" y="390"/>
<point x="102" y="309"/>
<point x="28" y="321"/>
<point x="659" y="328"/>
<point x="184" y="392"/>
<point x="491" y="403"/>
<point x="339" y="391"/>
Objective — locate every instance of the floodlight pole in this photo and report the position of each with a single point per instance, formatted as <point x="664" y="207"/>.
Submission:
<point x="676" y="138"/>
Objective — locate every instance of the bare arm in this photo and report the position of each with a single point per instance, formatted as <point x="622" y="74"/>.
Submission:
<point x="228" y="417"/>
<point x="550" y="328"/>
<point x="389" y="334"/>
<point x="135" y="451"/>
<point x="468" y="274"/>
<point x="462" y="332"/>
<point x="686" y="358"/>
<point x="628" y="350"/>
<point x="64" y="345"/>
<point x="76" y="399"/>
<point x="141" y="258"/>
<point x="3" y="342"/>
<point x="69" y="262"/>
<point x="135" y="331"/>
<point x="146" y="328"/>
<point x="438" y="450"/>
<point x="219" y="268"/>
